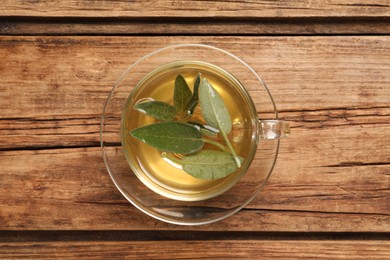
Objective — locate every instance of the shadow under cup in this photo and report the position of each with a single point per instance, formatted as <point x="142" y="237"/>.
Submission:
<point x="176" y="211"/>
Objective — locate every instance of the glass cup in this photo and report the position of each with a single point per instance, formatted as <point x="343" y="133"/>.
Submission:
<point x="267" y="131"/>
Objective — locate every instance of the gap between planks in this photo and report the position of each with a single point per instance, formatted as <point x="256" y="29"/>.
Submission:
<point x="169" y="235"/>
<point x="197" y="26"/>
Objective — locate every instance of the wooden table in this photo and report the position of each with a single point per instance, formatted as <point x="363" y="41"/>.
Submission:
<point x="327" y="64"/>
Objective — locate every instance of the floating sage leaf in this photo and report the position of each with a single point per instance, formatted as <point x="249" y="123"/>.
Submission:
<point x="213" y="108"/>
<point x="157" y="109"/>
<point x="209" y="164"/>
<point x="195" y="95"/>
<point x="216" y="113"/>
<point x="174" y="137"/>
<point x="181" y="95"/>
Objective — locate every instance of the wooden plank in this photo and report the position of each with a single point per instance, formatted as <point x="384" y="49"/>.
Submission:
<point x="83" y="131"/>
<point x="81" y="196"/>
<point x="303" y="73"/>
<point x="193" y="26"/>
<point x="49" y="131"/>
<point x="216" y="249"/>
<point x="315" y="81"/>
<point x="328" y="170"/>
<point x="167" y="8"/>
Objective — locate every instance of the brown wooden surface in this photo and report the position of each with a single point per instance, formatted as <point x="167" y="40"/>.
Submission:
<point x="329" y="195"/>
<point x="340" y="139"/>
<point x="181" y="8"/>
<point x="248" y="249"/>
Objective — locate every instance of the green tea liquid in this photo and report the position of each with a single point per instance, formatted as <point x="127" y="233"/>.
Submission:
<point x="164" y="176"/>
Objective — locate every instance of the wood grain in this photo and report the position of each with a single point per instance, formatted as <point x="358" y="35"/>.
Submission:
<point x="73" y="75"/>
<point x="331" y="175"/>
<point x="81" y="196"/>
<point x="215" y="249"/>
<point x="181" y="8"/>
<point x="62" y="101"/>
<point x="329" y="194"/>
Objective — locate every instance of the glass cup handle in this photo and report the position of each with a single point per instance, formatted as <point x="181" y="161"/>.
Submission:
<point x="273" y="129"/>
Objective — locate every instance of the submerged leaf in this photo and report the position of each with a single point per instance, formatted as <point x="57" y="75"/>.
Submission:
<point x="205" y="129"/>
<point x="208" y="132"/>
<point x="209" y="164"/>
<point x="195" y="96"/>
<point x="181" y="94"/>
<point x="213" y="108"/>
<point x="174" y="137"/>
<point x="157" y="109"/>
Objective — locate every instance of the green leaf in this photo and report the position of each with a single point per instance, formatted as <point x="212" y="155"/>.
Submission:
<point x="157" y="109"/>
<point x="216" y="113"/>
<point x="195" y="96"/>
<point x="213" y="108"/>
<point x="174" y="137"/>
<point x="181" y="95"/>
<point x="209" y="164"/>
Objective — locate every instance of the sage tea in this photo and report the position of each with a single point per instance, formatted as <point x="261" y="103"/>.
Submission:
<point x="188" y="130"/>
